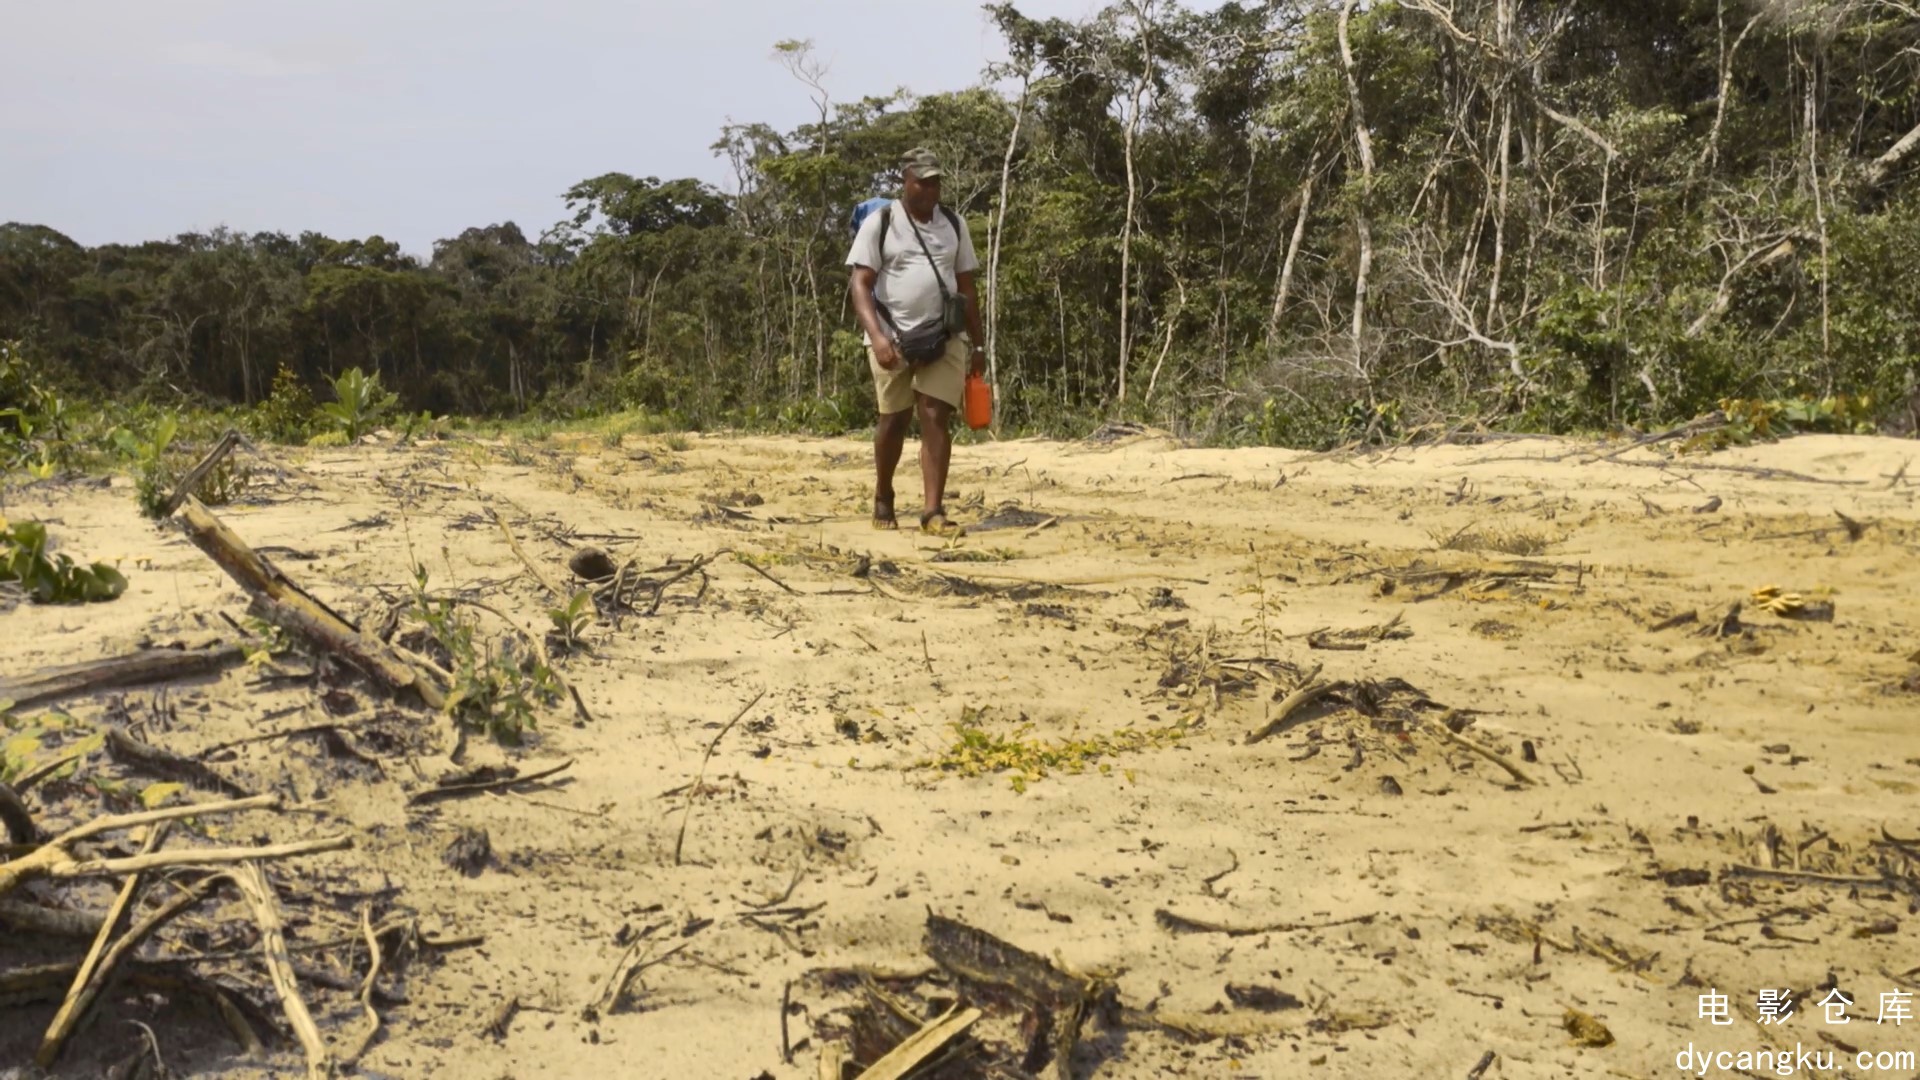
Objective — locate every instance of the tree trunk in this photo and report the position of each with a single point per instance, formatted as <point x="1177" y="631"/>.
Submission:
<point x="1363" y="140"/>
<point x="1144" y="25"/>
<point x="996" y="237"/>
<point x="1293" y="254"/>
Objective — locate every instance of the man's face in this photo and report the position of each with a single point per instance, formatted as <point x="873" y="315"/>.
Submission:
<point x="920" y="193"/>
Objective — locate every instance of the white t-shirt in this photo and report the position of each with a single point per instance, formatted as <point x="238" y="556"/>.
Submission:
<point x="906" y="286"/>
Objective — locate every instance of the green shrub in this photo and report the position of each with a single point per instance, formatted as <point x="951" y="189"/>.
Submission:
<point x="359" y="404"/>
<point x="52" y="579"/>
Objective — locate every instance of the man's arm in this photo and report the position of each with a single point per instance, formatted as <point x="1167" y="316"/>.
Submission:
<point x="860" y="283"/>
<point x="978" y="361"/>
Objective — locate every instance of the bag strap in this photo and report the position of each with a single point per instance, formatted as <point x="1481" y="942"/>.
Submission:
<point x="886" y="226"/>
<point x="945" y="297"/>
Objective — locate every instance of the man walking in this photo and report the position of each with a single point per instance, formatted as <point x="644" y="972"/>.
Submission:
<point x="907" y="260"/>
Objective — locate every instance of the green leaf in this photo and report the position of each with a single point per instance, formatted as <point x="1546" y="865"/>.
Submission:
<point x="153" y="795"/>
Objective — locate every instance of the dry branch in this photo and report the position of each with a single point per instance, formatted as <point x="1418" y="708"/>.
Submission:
<point x="136" y="934"/>
<point x="1299" y="699"/>
<point x="1446" y="734"/>
<point x="54" y="859"/>
<point x="367" y="988"/>
<point x="694" y="791"/>
<point x="273" y="947"/>
<point x="923" y="1044"/>
<point x="279" y="600"/>
<point x="117" y="672"/>
<point x="553" y="587"/>
<point x="85" y="985"/>
<point x="1178" y="923"/>
<point x="198" y="474"/>
<point x="454" y="791"/>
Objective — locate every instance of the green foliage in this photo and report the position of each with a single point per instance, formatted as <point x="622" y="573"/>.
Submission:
<point x="1764" y="421"/>
<point x="33" y="418"/>
<point x="1615" y="243"/>
<point x="976" y="751"/>
<point x="571" y="622"/>
<point x="287" y="415"/>
<point x="52" y="578"/>
<point x="497" y="689"/>
<point x="360" y="404"/>
<point x="154" y="476"/>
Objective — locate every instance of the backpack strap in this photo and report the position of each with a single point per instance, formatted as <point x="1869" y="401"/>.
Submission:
<point x="886" y="226"/>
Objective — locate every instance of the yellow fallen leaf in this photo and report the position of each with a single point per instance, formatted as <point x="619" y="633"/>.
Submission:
<point x="153" y="795"/>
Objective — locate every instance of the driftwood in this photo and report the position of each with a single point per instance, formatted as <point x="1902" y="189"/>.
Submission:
<point x="273" y="946"/>
<point x="15" y="818"/>
<point x="129" y="750"/>
<point x="540" y="575"/>
<point x="1313" y="691"/>
<point x="922" y="1044"/>
<point x="90" y="981"/>
<point x="454" y="791"/>
<point x="49" y="922"/>
<point x="198" y="474"/>
<point x="55" y="859"/>
<point x="279" y="600"/>
<point x="977" y="957"/>
<point x="1446" y="735"/>
<point x="117" y="672"/>
<point x="1179" y="923"/>
<point x="831" y="1055"/>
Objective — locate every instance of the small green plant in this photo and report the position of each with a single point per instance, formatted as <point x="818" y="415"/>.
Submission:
<point x="571" y="621"/>
<point x="976" y="751"/>
<point x="287" y="414"/>
<point x="1265" y="604"/>
<point x="269" y="641"/>
<point x="153" y="472"/>
<point x="425" y="425"/>
<point x="495" y="692"/>
<point x="359" y="404"/>
<point x="52" y="579"/>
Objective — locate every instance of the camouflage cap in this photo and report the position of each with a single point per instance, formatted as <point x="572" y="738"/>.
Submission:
<point x="922" y="161"/>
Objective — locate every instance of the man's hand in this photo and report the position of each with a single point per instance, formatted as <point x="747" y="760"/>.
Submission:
<point x="977" y="363"/>
<point x="886" y="353"/>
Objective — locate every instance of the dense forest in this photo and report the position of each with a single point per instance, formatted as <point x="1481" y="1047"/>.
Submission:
<point x="1290" y="221"/>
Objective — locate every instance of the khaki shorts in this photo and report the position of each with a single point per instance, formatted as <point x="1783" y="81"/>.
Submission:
<point x="944" y="379"/>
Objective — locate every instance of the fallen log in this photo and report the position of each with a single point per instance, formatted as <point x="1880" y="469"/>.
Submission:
<point x="116" y="673"/>
<point x="279" y="600"/>
<point x="127" y="749"/>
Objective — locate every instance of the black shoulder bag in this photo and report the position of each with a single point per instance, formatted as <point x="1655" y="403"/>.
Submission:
<point x="928" y="342"/>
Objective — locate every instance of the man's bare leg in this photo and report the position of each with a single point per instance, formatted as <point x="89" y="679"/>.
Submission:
<point x="889" y="439"/>
<point x="936" y="449"/>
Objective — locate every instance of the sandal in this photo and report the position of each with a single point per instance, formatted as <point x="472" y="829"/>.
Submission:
<point x="944" y="528"/>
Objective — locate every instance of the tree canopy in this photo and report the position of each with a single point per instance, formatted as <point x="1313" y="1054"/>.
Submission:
<point x="1284" y="221"/>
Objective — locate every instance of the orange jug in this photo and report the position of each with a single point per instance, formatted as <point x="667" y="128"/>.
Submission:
<point x="979" y="402"/>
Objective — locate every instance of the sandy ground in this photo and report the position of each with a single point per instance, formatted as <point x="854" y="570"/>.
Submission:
<point x="1414" y="905"/>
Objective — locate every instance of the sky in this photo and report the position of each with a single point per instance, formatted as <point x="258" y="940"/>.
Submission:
<point x="131" y="120"/>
